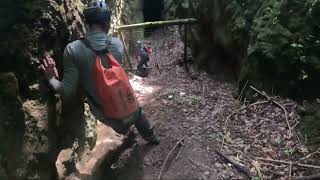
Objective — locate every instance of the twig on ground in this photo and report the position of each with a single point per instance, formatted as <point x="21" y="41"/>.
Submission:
<point x="273" y="165"/>
<point x="277" y="104"/>
<point x="257" y="167"/>
<point x="295" y="125"/>
<point x="198" y="164"/>
<point x="166" y="160"/>
<point x="239" y="167"/>
<point x="311" y="177"/>
<point x="242" y="91"/>
<point x="287" y="162"/>
<point x="309" y="155"/>
<point x="179" y="153"/>
<point x="290" y="171"/>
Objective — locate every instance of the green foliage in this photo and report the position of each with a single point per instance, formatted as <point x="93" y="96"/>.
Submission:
<point x="284" y="54"/>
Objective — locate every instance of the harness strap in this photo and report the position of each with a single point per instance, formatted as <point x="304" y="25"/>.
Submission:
<point x="101" y="53"/>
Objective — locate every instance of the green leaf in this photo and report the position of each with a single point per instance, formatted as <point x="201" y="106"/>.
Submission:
<point x="305" y="76"/>
<point x="295" y="45"/>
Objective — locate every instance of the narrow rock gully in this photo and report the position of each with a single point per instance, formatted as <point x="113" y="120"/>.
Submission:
<point x="196" y="114"/>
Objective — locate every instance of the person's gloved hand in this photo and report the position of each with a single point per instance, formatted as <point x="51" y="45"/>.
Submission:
<point x="49" y="68"/>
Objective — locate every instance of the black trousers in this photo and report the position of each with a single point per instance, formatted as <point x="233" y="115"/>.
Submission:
<point x="142" y="62"/>
<point x="139" y="120"/>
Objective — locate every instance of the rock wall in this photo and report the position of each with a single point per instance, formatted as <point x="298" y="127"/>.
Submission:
<point x="30" y="113"/>
<point x="35" y="124"/>
<point x="12" y="125"/>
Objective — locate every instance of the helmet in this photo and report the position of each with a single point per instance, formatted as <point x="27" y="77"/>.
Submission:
<point x="97" y="12"/>
<point x="139" y="44"/>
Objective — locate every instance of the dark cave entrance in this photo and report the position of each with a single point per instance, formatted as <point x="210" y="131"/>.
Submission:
<point x="152" y="11"/>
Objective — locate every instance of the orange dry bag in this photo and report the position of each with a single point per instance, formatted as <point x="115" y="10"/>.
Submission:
<point x="116" y="95"/>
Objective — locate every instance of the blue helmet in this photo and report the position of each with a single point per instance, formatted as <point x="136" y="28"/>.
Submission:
<point x="97" y="12"/>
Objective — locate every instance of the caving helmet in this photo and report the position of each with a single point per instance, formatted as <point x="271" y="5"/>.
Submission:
<point x="97" y="11"/>
<point x="139" y="44"/>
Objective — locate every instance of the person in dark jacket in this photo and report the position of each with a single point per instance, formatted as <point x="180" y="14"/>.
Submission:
<point x="142" y="53"/>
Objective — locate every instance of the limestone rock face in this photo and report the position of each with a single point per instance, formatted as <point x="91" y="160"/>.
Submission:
<point x="30" y="113"/>
<point x="12" y="125"/>
<point x="35" y="124"/>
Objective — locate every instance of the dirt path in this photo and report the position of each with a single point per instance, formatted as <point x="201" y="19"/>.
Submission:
<point x="204" y="112"/>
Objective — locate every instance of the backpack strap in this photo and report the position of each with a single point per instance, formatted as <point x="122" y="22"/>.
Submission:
<point x="100" y="53"/>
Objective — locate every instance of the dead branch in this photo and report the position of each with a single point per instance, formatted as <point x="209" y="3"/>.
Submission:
<point x="257" y="167"/>
<point x="179" y="153"/>
<point x="287" y="162"/>
<point x="234" y="148"/>
<point x="312" y="177"/>
<point x="242" y="91"/>
<point x="309" y="155"/>
<point x="290" y="171"/>
<point x="165" y="162"/>
<point x="239" y="167"/>
<point x="277" y="104"/>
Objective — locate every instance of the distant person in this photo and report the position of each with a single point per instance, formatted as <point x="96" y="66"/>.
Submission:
<point x="86" y="62"/>
<point x="142" y="56"/>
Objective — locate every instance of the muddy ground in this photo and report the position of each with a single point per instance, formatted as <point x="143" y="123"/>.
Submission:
<point x="202" y="114"/>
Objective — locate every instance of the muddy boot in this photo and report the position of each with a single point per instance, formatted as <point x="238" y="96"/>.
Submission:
<point x="155" y="140"/>
<point x="131" y="136"/>
<point x="146" y="130"/>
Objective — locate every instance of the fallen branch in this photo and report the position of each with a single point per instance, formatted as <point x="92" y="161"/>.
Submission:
<point x="277" y="104"/>
<point x="287" y="162"/>
<point x="165" y="162"/>
<point x="239" y="167"/>
<point x="290" y="171"/>
<point x="179" y="153"/>
<point x="312" y="177"/>
<point x="234" y="148"/>
<point x="242" y="91"/>
<point x="309" y="155"/>
<point x="257" y="167"/>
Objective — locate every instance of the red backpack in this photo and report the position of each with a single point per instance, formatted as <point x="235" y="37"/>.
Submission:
<point x="116" y="95"/>
<point x="148" y="50"/>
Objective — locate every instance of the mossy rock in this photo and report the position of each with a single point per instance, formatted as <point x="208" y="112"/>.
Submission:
<point x="284" y="49"/>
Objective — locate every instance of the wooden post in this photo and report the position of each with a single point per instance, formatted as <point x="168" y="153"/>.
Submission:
<point x="186" y="47"/>
<point x="125" y="50"/>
